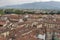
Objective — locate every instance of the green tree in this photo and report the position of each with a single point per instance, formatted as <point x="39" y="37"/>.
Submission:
<point x="18" y="12"/>
<point x="1" y="11"/>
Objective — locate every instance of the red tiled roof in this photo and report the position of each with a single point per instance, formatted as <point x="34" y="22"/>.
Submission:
<point x="13" y="16"/>
<point x="2" y="22"/>
<point x="2" y="38"/>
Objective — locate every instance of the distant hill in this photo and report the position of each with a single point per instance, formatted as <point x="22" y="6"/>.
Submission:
<point x="37" y="5"/>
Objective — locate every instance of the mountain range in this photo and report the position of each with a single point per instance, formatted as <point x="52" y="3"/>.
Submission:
<point x="36" y="5"/>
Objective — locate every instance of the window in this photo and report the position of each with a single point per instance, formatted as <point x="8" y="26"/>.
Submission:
<point x="1" y="25"/>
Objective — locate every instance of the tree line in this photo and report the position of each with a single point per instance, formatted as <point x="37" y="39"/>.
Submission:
<point x="16" y="11"/>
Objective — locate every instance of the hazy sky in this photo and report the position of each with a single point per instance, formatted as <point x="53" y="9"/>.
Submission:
<point x="13" y="2"/>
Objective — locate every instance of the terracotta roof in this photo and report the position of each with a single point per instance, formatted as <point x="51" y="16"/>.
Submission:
<point x="13" y="16"/>
<point x="2" y="22"/>
<point x="2" y="38"/>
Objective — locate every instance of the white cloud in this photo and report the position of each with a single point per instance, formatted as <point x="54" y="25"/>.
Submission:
<point x="43" y="0"/>
<point x="57" y="0"/>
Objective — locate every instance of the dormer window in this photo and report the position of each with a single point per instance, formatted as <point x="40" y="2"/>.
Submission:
<point x="1" y="25"/>
<point x="35" y="26"/>
<point x="25" y="19"/>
